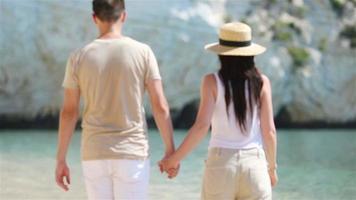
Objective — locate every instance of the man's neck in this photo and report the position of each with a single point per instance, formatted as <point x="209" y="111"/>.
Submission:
<point x="110" y="32"/>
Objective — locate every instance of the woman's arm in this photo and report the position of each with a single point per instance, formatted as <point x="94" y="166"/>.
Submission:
<point x="268" y="128"/>
<point x="201" y="125"/>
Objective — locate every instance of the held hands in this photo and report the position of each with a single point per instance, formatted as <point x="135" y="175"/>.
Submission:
<point x="62" y="172"/>
<point x="170" y="166"/>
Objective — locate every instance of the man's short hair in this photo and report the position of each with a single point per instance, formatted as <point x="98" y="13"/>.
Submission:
<point x="108" y="10"/>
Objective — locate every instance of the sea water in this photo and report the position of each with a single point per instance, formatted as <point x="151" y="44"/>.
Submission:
<point x="313" y="164"/>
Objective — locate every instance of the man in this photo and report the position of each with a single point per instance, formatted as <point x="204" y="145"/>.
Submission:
<point x="111" y="74"/>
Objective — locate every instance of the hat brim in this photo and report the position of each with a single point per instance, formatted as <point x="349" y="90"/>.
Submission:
<point x="251" y="50"/>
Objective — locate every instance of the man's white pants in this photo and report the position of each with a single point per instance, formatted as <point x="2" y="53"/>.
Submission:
<point x="116" y="179"/>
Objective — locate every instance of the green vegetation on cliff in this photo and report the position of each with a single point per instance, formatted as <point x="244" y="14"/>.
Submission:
<point x="299" y="55"/>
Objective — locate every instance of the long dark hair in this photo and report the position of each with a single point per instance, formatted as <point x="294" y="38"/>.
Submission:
<point x="235" y="73"/>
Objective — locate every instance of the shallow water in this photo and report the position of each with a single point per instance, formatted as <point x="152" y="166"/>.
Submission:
<point x="312" y="165"/>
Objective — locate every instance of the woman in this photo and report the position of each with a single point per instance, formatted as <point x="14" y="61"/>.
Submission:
<point x="237" y="103"/>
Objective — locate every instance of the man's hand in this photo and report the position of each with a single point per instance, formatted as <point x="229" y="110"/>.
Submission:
<point x="170" y="166"/>
<point x="62" y="172"/>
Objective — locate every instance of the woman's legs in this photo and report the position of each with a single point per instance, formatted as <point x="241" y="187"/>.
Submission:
<point x="219" y="175"/>
<point x="236" y="174"/>
<point x="254" y="182"/>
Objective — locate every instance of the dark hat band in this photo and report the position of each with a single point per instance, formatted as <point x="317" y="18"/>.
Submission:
<point x="234" y="43"/>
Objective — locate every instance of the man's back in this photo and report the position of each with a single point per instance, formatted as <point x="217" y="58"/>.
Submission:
<point x="111" y="76"/>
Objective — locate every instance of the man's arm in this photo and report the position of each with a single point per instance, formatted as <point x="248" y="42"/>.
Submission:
<point x="68" y="119"/>
<point x="161" y="113"/>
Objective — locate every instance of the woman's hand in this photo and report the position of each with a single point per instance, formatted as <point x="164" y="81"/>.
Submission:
<point x="273" y="176"/>
<point x="170" y="166"/>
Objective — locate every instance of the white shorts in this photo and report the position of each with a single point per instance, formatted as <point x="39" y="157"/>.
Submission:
<point x="116" y="179"/>
<point x="236" y="174"/>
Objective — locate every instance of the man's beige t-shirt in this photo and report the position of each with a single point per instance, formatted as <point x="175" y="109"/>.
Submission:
<point x="111" y="76"/>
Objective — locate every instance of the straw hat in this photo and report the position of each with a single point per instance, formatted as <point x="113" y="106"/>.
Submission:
<point x="235" y="40"/>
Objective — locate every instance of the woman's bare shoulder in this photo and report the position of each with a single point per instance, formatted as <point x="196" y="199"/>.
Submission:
<point x="266" y="85"/>
<point x="265" y="78"/>
<point x="209" y="79"/>
<point x="209" y="83"/>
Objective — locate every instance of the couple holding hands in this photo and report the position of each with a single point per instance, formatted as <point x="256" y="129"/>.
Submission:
<point x="112" y="73"/>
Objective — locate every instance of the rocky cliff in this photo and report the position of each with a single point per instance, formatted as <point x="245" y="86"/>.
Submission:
<point x="310" y="59"/>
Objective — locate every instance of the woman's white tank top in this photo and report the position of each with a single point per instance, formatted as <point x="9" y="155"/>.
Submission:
<point x="226" y="131"/>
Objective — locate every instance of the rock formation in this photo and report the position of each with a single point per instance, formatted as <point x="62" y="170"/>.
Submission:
<point x="310" y="59"/>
